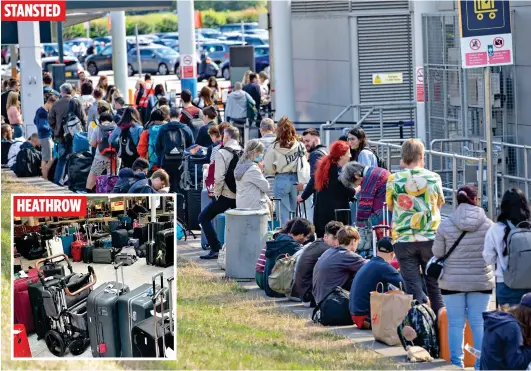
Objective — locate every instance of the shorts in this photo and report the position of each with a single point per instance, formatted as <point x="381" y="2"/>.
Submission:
<point x="46" y="149"/>
<point x="102" y="164"/>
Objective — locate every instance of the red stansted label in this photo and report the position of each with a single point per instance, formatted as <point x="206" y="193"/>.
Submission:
<point x="54" y="11"/>
<point x="55" y="206"/>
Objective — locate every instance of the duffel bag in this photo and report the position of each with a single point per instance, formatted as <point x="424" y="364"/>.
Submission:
<point x="333" y="310"/>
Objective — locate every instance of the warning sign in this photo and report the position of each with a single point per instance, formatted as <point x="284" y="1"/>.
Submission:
<point x="420" y="75"/>
<point x="387" y="78"/>
<point x="475" y="44"/>
<point x="498" y="42"/>
<point x="420" y="84"/>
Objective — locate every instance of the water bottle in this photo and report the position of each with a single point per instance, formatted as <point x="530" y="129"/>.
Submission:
<point x="476" y="353"/>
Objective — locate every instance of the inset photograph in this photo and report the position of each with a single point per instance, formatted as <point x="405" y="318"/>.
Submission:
<point x="98" y="283"/>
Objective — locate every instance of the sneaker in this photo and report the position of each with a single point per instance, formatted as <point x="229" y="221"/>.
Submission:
<point x="307" y="304"/>
<point x="211" y="255"/>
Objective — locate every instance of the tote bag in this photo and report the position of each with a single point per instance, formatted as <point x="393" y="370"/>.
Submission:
<point x="303" y="167"/>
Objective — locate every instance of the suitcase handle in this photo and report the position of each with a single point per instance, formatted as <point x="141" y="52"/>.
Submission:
<point x="50" y="258"/>
<point x="116" y="266"/>
<point x="87" y="286"/>
<point x="170" y="280"/>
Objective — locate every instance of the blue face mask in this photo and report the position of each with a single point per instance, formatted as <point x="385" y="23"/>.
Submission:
<point x="259" y="158"/>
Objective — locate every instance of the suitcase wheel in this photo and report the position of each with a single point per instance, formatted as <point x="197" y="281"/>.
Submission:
<point x="54" y="342"/>
<point x="78" y="346"/>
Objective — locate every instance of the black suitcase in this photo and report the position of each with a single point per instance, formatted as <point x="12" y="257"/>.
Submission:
<point x="50" y="269"/>
<point x="141" y="233"/>
<point x="78" y="168"/>
<point x="102" y="318"/>
<point x="88" y="248"/>
<point x="103" y="255"/>
<point x="153" y="242"/>
<point x="152" y="336"/>
<point x="132" y="308"/>
<point x="193" y="208"/>
<point x="120" y="238"/>
<point x="42" y="323"/>
<point x="165" y="248"/>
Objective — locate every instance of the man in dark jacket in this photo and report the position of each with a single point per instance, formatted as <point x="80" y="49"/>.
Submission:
<point x="377" y="270"/>
<point x="129" y="176"/>
<point x="302" y="282"/>
<point x="47" y="86"/>
<point x="170" y="147"/>
<point x="253" y="89"/>
<point x="56" y="117"/>
<point x="312" y="141"/>
<point x="504" y="346"/>
<point x="155" y="184"/>
<point x="13" y="85"/>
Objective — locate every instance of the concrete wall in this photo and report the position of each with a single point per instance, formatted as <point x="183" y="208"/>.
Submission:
<point x="322" y="68"/>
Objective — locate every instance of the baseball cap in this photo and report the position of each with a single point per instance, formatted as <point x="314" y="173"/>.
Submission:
<point x="385" y="245"/>
<point x="526" y="300"/>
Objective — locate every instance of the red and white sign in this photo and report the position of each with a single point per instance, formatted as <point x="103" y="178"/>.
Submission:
<point x="42" y="206"/>
<point x="420" y="84"/>
<point x="474" y="51"/>
<point x="188" y="68"/>
<point x="54" y="11"/>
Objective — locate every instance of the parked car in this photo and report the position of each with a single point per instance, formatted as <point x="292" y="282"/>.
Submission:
<point x="218" y="51"/>
<point x="72" y="65"/>
<point x="237" y="27"/>
<point x="102" y="61"/>
<point x="154" y="58"/>
<point x="106" y="39"/>
<point x="52" y="50"/>
<point x="170" y="38"/>
<point x="210" y="33"/>
<point x="261" y="62"/>
<point x="249" y="39"/>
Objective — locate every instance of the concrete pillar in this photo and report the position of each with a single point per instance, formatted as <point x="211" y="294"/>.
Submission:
<point x="30" y="73"/>
<point x="283" y="59"/>
<point x="185" y="13"/>
<point x="419" y="8"/>
<point x="119" y="52"/>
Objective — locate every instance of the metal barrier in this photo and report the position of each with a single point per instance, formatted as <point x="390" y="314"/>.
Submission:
<point x="373" y="107"/>
<point x="457" y="172"/>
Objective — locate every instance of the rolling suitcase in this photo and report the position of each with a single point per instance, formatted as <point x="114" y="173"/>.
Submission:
<point x="21" y="300"/>
<point x="119" y="238"/>
<point x="444" y="349"/>
<point x="77" y="251"/>
<point x="67" y="242"/>
<point x="102" y="255"/>
<point x="205" y="200"/>
<point x="36" y="294"/>
<point x="153" y="242"/>
<point x="141" y="233"/>
<point x="21" y="348"/>
<point x="54" y="246"/>
<point x="132" y="308"/>
<point x="103" y="243"/>
<point x="193" y="208"/>
<point x="152" y="336"/>
<point x="102" y="317"/>
<point x="88" y="248"/>
<point x="127" y="256"/>
<point x="50" y="269"/>
<point x="165" y="248"/>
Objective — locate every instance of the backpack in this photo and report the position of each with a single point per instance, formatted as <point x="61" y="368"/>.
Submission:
<point x="517" y="248"/>
<point x="281" y="277"/>
<point x="333" y="310"/>
<point x="105" y="147"/>
<point x="379" y="162"/>
<point x="127" y="148"/>
<point x="71" y="123"/>
<point x="423" y="320"/>
<point x="230" y="181"/>
<point x="6" y="145"/>
<point x="180" y="232"/>
<point x="153" y="133"/>
<point x="28" y="163"/>
<point x="174" y="145"/>
<point x="251" y="110"/>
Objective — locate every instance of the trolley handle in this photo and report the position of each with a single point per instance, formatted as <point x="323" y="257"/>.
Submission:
<point x="87" y="286"/>
<point x="50" y="258"/>
<point x="381" y="226"/>
<point x="154" y="278"/>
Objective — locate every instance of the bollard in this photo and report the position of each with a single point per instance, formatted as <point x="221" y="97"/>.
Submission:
<point x="131" y="97"/>
<point x="245" y="237"/>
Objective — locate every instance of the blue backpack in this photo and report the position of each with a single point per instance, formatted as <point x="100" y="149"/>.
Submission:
<point x="180" y="232"/>
<point x="153" y="135"/>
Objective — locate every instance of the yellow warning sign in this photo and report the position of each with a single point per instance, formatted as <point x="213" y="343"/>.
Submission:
<point x="387" y="78"/>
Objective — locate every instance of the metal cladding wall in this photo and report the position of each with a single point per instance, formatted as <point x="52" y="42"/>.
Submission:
<point x="339" y="45"/>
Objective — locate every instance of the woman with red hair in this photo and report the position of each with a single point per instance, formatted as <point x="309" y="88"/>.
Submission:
<point x="331" y="194"/>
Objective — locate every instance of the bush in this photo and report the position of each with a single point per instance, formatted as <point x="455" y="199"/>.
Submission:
<point x="74" y="31"/>
<point x="247" y="15"/>
<point x="212" y="19"/>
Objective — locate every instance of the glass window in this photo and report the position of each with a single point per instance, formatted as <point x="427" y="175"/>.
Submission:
<point x="107" y="51"/>
<point x="146" y="52"/>
<point x="166" y="52"/>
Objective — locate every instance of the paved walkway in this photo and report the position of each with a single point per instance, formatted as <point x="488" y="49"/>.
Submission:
<point x="191" y="250"/>
<point x="38" y="182"/>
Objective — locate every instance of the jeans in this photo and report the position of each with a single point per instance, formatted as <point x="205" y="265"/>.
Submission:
<point x="412" y="256"/>
<point x="17" y="131"/>
<point x="286" y="192"/>
<point x="506" y="295"/>
<point x="65" y="148"/>
<point x="308" y="207"/>
<point x="213" y="209"/>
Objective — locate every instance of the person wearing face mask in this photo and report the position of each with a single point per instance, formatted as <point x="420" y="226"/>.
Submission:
<point x="251" y="185"/>
<point x="331" y="194"/>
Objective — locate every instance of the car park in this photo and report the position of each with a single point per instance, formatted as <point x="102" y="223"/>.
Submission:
<point x="237" y="27"/>
<point x="210" y="33"/>
<point x="72" y="65"/>
<point x="261" y="62"/>
<point x="217" y="51"/>
<point x="102" y="61"/>
<point x="106" y="39"/>
<point x="154" y="58"/>
<point x="249" y="39"/>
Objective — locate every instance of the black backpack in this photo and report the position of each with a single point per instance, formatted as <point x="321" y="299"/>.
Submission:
<point x="105" y="147"/>
<point x="174" y="145"/>
<point x="6" y="145"/>
<point x="230" y="181"/>
<point x="379" y="162"/>
<point x="126" y="148"/>
<point x="28" y="163"/>
<point x="333" y="310"/>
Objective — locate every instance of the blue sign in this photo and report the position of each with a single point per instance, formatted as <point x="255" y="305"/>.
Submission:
<point x="490" y="50"/>
<point x="484" y="17"/>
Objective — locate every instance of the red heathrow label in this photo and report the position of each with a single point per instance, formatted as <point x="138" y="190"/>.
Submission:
<point x="39" y="206"/>
<point x="54" y="11"/>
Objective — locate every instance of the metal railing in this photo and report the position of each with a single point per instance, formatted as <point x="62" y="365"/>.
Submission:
<point x="373" y="107"/>
<point x="385" y="150"/>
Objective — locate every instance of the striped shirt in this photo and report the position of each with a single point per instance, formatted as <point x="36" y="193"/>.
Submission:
<point x="260" y="263"/>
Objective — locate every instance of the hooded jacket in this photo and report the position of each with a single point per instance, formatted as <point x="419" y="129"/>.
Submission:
<point x="236" y="107"/>
<point x="126" y="179"/>
<point x="163" y="134"/>
<point x="279" y="160"/>
<point x="302" y="282"/>
<point x="503" y="344"/>
<point x="222" y="160"/>
<point x="315" y="155"/>
<point x="465" y="269"/>
<point x="283" y="244"/>
<point x="251" y="186"/>
<point x="143" y="185"/>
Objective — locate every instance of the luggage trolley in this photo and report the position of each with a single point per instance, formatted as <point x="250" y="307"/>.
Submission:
<point x="385" y="226"/>
<point x="65" y="304"/>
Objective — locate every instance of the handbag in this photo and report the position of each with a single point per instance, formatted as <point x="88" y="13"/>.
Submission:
<point x="303" y="167"/>
<point x="333" y="310"/>
<point x="435" y="266"/>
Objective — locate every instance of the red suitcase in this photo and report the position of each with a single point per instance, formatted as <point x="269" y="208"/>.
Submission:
<point x="77" y="250"/>
<point x="21" y="301"/>
<point x="21" y="346"/>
